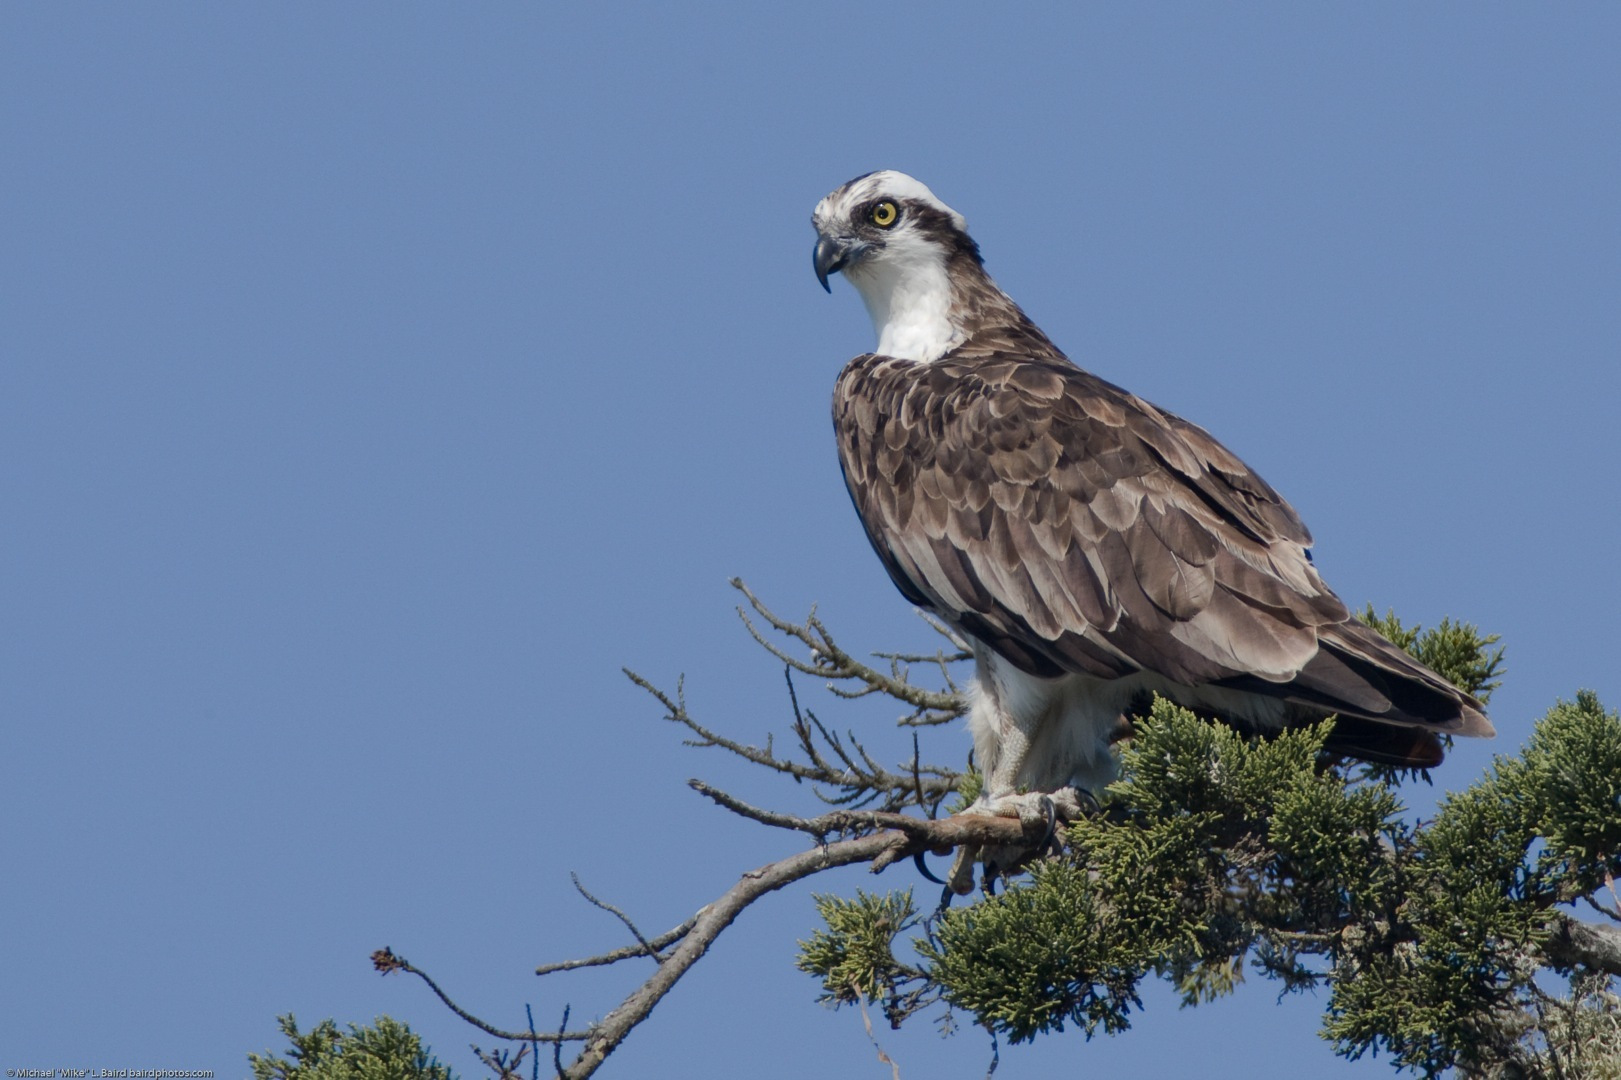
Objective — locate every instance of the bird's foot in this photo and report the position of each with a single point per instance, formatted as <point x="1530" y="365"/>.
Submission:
<point x="1046" y="809"/>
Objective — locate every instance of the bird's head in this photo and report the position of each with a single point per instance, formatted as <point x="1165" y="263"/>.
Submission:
<point x="911" y="258"/>
<point x="884" y="227"/>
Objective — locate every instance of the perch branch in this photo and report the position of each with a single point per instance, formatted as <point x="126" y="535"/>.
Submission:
<point x="879" y="848"/>
<point x="883" y="838"/>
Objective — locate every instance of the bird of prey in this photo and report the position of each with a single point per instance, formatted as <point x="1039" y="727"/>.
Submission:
<point x="1090" y="547"/>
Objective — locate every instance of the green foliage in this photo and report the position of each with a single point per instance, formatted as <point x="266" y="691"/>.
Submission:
<point x="1482" y="888"/>
<point x="1456" y="651"/>
<point x="1574" y="762"/>
<point x="1212" y="843"/>
<point x="1389" y="627"/>
<point x="855" y="956"/>
<point x="1217" y="852"/>
<point x="1036" y="957"/>
<point x="387" y="1050"/>
<point x="1432" y="999"/>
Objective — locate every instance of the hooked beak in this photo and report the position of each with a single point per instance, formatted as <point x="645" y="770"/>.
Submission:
<point x="832" y="253"/>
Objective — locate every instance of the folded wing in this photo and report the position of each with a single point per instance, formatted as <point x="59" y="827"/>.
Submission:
<point x="1073" y="527"/>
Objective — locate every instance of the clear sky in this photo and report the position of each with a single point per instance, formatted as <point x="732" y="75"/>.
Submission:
<point x="378" y="379"/>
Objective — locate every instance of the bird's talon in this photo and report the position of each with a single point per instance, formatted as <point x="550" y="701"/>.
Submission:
<point x="923" y="868"/>
<point x="1051" y="845"/>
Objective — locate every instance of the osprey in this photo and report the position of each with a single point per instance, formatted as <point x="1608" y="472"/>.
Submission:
<point x="1091" y="548"/>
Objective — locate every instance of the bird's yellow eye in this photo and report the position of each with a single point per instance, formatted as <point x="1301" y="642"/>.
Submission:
<point x="884" y="214"/>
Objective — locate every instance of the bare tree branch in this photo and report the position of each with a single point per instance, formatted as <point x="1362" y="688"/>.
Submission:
<point x="386" y="961"/>
<point x="881" y="848"/>
<point x="1608" y="913"/>
<point x="505" y="1065"/>
<point x="832" y="663"/>
<point x="859" y="779"/>
<point x="938" y="834"/>
<point x="883" y="839"/>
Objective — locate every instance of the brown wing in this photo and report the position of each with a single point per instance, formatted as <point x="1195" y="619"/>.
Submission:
<point x="1072" y="526"/>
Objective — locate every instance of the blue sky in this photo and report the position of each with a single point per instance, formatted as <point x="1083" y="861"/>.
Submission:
<point x="379" y="379"/>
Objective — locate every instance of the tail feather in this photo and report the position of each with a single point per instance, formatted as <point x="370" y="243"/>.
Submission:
<point x="1417" y="694"/>
<point x="1392" y="709"/>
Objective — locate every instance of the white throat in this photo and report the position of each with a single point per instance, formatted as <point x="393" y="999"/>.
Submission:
<point x="909" y="300"/>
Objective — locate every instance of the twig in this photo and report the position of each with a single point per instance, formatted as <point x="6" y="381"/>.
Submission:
<point x="676" y="710"/>
<point x="505" y="1067"/>
<point x="917" y="778"/>
<point x="386" y="960"/>
<point x="1608" y="913"/>
<point x="626" y="953"/>
<point x="860" y="783"/>
<point x="947" y="832"/>
<point x="620" y="915"/>
<point x="833" y="663"/>
<point x="817" y="826"/>
<point x="534" y="1060"/>
<point x="937" y="657"/>
<point x="557" y="1047"/>
<point x="861" y="1000"/>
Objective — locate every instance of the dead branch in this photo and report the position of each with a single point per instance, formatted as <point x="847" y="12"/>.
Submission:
<point x="837" y="762"/>
<point x="906" y="836"/>
<point x="387" y="961"/>
<point x="831" y="663"/>
<point x="881" y="839"/>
